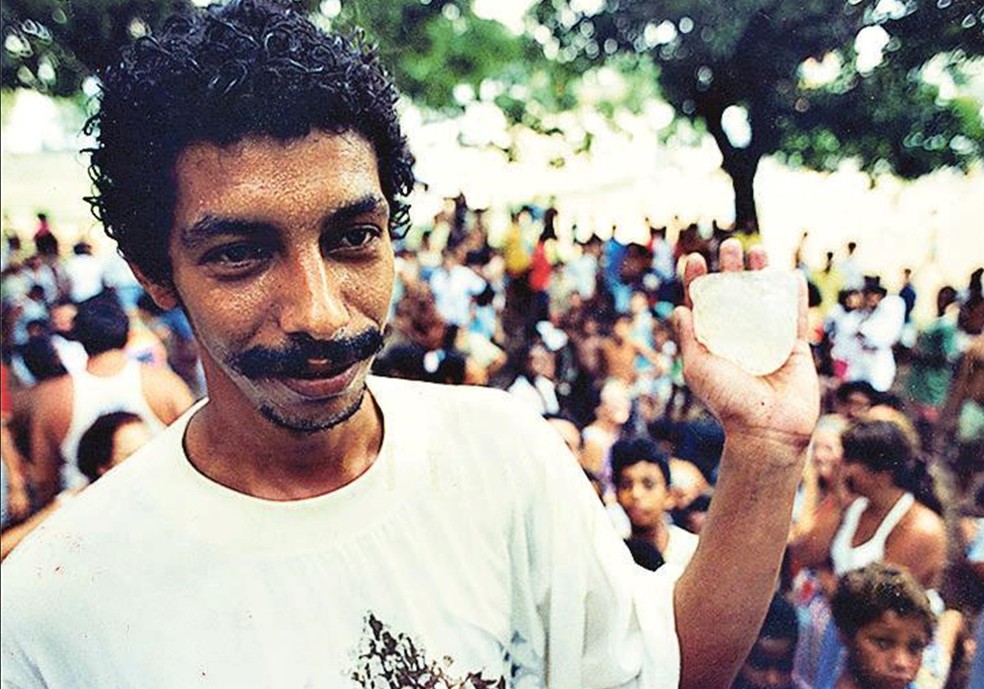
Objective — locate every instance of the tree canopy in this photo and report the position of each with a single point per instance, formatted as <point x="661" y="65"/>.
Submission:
<point x="812" y="82"/>
<point x="441" y="53"/>
<point x="815" y="81"/>
<point x="51" y="46"/>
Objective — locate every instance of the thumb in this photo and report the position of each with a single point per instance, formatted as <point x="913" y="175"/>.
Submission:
<point x="683" y="324"/>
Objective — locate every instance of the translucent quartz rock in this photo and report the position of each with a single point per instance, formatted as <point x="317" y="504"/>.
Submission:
<point x="747" y="317"/>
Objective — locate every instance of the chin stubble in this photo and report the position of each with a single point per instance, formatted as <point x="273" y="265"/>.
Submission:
<point x="310" y="427"/>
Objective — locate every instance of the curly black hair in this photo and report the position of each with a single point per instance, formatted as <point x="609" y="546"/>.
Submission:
<point x="864" y="595"/>
<point x="218" y="74"/>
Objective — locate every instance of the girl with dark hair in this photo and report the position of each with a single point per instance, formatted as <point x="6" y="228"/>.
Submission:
<point x="885" y="522"/>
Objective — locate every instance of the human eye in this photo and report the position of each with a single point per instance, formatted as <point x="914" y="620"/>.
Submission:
<point x="882" y="644"/>
<point x="648" y="484"/>
<point x="237" y="258"/>
<point x="353" y="238"/>
<point x="917" y="647"/>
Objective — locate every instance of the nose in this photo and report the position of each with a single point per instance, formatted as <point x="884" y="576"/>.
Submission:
<point x="903" y="660"/>
<point x="311" y="297"/>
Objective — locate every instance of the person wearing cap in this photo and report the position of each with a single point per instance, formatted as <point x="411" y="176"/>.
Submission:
<point x="880" y="324"/>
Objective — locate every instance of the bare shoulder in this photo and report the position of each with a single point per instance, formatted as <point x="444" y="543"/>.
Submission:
<point x="53" y="388"/>
<point x="52" y="399"/>
<point x="167" y="394"/>
<point x="161" y="376"/>
<point x="924" y="522"/>
<point x="976" y="349"/>
<point x="921" y="528"/>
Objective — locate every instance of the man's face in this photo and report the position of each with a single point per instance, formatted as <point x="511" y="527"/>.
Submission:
<point x="887" y="653"/>
<point x="541" y="362"/>
<point x="643" y="494"/>
<point x="769" y="665"/>
<point x="872" y="300"/>
<point x="63" y="318"/>
<point x="282" y="260"/>
<point x="615" y="406"/>
<point x="854" y="301"/>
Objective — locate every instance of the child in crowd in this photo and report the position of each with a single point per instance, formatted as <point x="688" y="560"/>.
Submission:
<point x="641" y="473"/>
<point x="769" y="664"/>
<point x="885" y="623"/>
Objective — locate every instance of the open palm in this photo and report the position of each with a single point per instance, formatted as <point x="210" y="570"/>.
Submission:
<point x="782" y="405"/>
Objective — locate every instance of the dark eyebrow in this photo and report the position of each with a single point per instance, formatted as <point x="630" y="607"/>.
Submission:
<point x="368" y="204"/>
<point x="210" y="226"/>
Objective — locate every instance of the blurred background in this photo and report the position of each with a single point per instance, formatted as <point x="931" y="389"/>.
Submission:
<point x="814" y="123"/>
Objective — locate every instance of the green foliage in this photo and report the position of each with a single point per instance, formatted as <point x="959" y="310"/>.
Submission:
<point x="753" y="54"/>
<point x="441" y="54"/>
<point x="52" y="45"/>
<point x="887" y="123"/>
<point x="434" y="48"/>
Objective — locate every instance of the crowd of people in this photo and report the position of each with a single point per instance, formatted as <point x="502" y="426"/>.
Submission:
<point x="276" y="522"/>
<point x="896" y="473"/>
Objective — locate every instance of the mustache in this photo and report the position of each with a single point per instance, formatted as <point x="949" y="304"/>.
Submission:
<point x="292" y="360"/>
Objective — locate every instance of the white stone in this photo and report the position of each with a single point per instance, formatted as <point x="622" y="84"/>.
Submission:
<point x="747" y="317"/>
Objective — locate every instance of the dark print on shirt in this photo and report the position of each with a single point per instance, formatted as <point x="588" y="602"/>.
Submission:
<point x="392" y="659"/>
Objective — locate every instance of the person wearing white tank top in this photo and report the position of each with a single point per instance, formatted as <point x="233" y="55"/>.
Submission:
<point x="885" y="522"/>
<point x="846" y="556"/>
<point x="66" y="407"/>
<point x="95" y="395"/>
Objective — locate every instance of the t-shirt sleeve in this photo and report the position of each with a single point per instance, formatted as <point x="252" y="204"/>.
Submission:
<point x="604" y="621"/>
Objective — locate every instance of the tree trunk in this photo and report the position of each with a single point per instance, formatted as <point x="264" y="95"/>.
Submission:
<point x="742" y="181"/>
<point x="741" y="164"/>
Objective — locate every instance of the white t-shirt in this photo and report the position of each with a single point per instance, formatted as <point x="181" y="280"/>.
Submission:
<point x="472" y="545"/>
<point x="680" y="546"/>
<point x="85" y="276"/>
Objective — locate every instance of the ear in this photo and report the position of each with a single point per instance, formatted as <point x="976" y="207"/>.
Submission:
<point x="162" y="293"/>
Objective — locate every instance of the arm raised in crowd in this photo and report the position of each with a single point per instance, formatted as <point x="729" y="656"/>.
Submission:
<point x="722" y="597"/>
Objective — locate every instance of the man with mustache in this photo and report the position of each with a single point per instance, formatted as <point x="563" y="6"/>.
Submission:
<point x="309" y="525"/>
